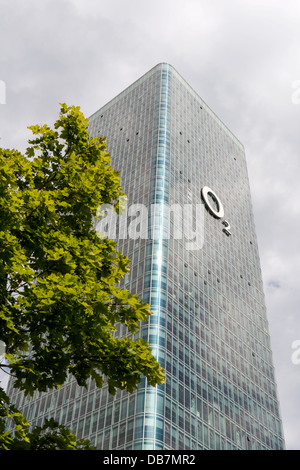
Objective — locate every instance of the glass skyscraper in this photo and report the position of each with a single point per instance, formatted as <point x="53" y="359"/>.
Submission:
<point x="198" y="267"/>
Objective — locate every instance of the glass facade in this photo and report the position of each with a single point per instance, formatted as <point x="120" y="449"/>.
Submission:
<point x="209" y="326"/>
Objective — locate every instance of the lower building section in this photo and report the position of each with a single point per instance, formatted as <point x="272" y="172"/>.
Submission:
<point x="171" y="416"/>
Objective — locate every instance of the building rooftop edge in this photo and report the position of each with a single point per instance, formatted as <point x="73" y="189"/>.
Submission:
<point x="162" y="65"/>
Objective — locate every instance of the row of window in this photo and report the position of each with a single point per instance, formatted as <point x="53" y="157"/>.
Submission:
<point x="84" y="420"/>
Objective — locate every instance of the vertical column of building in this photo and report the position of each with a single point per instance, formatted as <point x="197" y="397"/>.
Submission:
<point x="156" y="270"/>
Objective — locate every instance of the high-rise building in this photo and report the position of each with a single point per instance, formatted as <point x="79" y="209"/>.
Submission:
<point x="198" y="267"/>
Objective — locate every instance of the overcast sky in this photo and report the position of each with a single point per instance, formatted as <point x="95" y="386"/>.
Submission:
<point x="242" y="57"/>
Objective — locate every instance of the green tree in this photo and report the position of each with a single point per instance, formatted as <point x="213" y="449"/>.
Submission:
<point x="59" y="294"/>
<point x="50" y="436"/>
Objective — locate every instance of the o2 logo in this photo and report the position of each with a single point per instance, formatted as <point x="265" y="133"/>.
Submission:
<point x="216" y="209"/>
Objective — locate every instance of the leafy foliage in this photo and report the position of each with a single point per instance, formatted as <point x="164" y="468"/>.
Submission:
<point x="59" y="294"/>
<point x="51" y="436"/>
